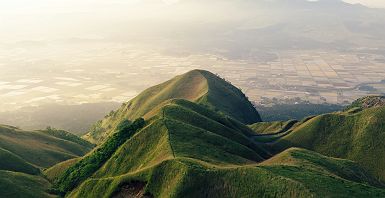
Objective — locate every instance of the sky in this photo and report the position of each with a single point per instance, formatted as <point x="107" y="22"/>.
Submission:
<point x="369" y="3"/>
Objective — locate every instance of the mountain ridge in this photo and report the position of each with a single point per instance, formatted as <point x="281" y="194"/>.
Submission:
<point x="197" y="86"/>
<point x="181" y="139"/>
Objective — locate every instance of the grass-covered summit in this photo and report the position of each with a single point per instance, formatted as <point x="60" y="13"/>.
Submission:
<point x="201" y="87"/>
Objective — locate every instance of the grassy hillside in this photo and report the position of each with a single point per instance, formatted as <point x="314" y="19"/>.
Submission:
<point x="270" y="132"/>
<point x="187" y="138"/>
<point x="261" y="128"/>
<point x="188" y="150"/>
<point x="41" y="148"/>
<point x="86" y="166"/>
<point x="15" y="184"/>
<point x="55" y="171"/>
<point x="345" y="169"/>
<point x="61" y="134"/>
<point x="293" y="110"/>
<point x="23" y="155"/>
<point x="356" y="135"/>
<point x="12" y="162"/>
<point x="179" y="128"/>
<point x="186" y="177"/>
<point x="198" y="86"/>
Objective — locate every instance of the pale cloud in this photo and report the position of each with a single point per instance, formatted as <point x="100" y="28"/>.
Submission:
<point x="170" y="1"/>
<point x="370" y="3"/>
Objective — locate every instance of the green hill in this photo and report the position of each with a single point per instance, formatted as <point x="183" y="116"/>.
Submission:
<point x="262" y="128"/>
<point x="343" y="168"/>
<point x="16" y="184"/>
<point x="42" y="148"/>
<point x="188" y="138"/>
<point x="188" y="150"/>
<point x="179" y="128"/>
<point x="23" y="155"/>
<point x="355" y="135"/>
<point x="197" y="86"/>
<point x="12" y="162"/>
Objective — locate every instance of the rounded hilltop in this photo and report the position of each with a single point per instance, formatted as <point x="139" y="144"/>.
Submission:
<point x="198" y="86"/>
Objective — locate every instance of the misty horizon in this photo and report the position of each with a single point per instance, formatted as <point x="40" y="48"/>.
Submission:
<point x="76" y="52"/>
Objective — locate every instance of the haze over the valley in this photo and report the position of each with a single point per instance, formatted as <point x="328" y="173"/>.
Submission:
<point x="192" y="98"/>
<point x="83" y="51"/>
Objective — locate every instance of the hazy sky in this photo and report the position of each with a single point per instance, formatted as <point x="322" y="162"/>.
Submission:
<point x="46" y="39"/>
<point x="371" y="3"/>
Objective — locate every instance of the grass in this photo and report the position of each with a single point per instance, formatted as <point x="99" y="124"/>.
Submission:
<point x="269" y="132"/>
<point x="199" y="147"/>
<point x="144" y="149"/>
<point x="23" y="154"/>
<point x="262" y="128"/>
<point x="185" y="177"/>
<point x="67" y="136"/>
<point x="15" y="184"/>
<point x="222" y="96"/>
<point x="356" y="136"/>
<point x="168" y="135"/>
<point x="84" y="168"/>
<point x="197" y="86"/>
<point x="187" y="150"/>
<point x="12" y="162"/>
<point x="39" y="148"/>
<point x="342" y="168"/>
<point x="55" y="171"/>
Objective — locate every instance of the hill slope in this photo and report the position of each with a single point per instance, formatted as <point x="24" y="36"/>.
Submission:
<point x="41" y="148"/>
<point x="23" y="154"/>
<point x="12" y="162"/>
<point x="188" y="150"/>
<point x="355" y="135"/>
<point x="197" y="86"/>
<point x="16" y="184"/>
<point x="179" y="128"/>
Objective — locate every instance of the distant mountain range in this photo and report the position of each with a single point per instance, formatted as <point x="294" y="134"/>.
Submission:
<point x="256" y="28"/>
<point x="197" y="135"/>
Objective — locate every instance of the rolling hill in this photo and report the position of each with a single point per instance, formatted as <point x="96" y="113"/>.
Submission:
<point x="188" y="138"/>
<point x="18" y="184"/>
<point x="24" y="154"/>
<point x="188" y="150"/>
<point x="185" y="148"/>
<point x="197" y="86"/>
<point x="355" y="134"/>
<point x="42" y="148"/>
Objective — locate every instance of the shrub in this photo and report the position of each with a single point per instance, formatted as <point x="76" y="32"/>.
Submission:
<point x="80" y="171"/>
